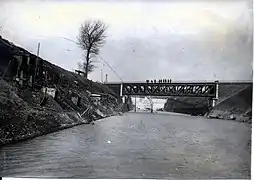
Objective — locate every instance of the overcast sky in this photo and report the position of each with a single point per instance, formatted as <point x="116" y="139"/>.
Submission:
<point x="182" y="40"/>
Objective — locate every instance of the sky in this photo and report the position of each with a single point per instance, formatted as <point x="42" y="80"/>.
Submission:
<point x="182" y="40"/>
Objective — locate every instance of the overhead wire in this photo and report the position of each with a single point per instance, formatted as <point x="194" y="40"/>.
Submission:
<point x="99" y="57"/>
<point x="111" y="68"/>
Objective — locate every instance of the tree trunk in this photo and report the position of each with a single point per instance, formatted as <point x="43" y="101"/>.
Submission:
<point x="87" y="62"/>
<point x="86" y="74"/>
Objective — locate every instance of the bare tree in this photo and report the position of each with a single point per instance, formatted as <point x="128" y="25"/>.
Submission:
<point x="91" y="38"/>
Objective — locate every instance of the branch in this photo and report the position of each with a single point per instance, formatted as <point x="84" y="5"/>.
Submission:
<point x="91" y="37"/>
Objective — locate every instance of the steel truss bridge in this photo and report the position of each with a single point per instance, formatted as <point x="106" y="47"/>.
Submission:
<point x="207" y="89"/>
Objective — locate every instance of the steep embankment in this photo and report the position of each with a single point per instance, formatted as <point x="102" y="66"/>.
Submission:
<point x="236" y="107"/>
<point x="199" y="105"/>
<point x="226" y="90"/>
<point x="27" y="112"/>
<point x="21" y="117"/>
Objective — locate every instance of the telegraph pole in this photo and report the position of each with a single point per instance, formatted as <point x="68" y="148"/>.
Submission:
<point x="106" y="78"/>
<point x="101" y="76"/>
<point x="36" y="61"/>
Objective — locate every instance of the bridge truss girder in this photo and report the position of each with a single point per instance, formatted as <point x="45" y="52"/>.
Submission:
<point x="177" y="89"/>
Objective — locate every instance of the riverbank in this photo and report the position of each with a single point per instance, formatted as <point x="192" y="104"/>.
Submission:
<point x="234" y="103"/>
<point x="236" y="107"/>
<point x="21" y="119"/>
<point x="34" y="103"/>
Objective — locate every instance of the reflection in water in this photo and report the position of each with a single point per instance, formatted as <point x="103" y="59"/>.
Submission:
<point x="135" y="146"/>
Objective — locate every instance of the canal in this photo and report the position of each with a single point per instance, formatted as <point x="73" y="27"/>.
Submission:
<point x="135" y="145"/>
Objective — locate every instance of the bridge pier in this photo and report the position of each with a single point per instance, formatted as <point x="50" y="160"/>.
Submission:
<point x="214" y="102"/>
<point x="123" y="99"/>
<point x="135" y="104"/>
<point x="215" y="99"/>
<point x="126" y="100"/>
<point x="151" y="103"/>
<point x="121" y="90"/>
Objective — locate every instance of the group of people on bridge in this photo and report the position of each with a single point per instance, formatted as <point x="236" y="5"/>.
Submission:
<point x="159" y="81"/>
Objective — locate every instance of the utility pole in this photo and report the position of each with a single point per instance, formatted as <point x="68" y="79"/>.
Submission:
<point x="106" y="78"/>
<point x="101" y="76"/>
<point x="36" y="61"/>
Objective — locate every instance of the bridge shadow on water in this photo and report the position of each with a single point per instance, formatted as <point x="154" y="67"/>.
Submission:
<point x="180" y="111"/>
<point x="161" y="113"/>
<point x="192" y="111"/>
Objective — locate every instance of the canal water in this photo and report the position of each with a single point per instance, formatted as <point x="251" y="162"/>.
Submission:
<point x="135" y="145"/>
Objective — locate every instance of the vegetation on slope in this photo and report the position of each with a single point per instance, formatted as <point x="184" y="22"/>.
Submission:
<point x="26" y="111"/>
